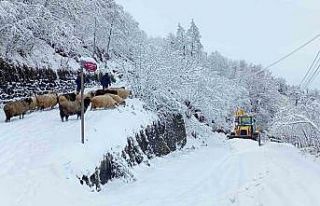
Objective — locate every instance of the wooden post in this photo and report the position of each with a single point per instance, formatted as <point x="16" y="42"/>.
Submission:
<point x="82" y="107"/>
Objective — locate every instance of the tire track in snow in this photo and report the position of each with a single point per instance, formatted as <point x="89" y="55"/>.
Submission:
<point x="240" y="185"/>
<point x="218" y="176"/>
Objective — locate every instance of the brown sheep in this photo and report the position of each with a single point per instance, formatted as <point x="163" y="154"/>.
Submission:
<point x="17" y="108"/>
<point x="121" y="92"/>
<point x="34" y="103"/>
<point x="68" y="108"/>
<point x="103" y="101"/>
<point x="62" y="98"/>
<point x="47" y="101"/>
<point x="67" y="96"/>
<point x="118" y="99"/>
<point x="124" y="93"/>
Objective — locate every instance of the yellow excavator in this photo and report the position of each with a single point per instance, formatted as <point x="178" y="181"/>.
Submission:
<point x="244" y="126"/>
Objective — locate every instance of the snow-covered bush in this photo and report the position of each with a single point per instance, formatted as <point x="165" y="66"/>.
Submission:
<point x="299" y="121"/>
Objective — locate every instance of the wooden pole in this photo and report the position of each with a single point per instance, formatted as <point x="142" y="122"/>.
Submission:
<point x="82" y="107"/>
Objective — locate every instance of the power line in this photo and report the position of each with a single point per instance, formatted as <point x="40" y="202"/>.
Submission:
<point x="316" y="59"/>
<point x="291" y="53"/>
<point x="310" y="68"/>
<point x="313" y="76"/>
<point x="294" y="51"/>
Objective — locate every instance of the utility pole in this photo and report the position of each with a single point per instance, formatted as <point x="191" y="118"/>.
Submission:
<point x="82" y="106"/>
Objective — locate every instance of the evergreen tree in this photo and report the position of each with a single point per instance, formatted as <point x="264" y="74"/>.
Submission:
<point x="193" y="39"/>
<point x="181" y="40"/>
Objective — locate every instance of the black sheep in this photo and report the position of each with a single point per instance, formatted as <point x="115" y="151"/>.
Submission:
<point x="103" y="92"/>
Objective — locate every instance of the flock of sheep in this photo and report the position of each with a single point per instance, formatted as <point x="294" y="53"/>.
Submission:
<point x="69" y="103"/>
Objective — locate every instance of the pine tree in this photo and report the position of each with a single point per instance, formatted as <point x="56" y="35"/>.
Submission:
<point x="181" y="40"/>
<point x="193" y="39"/>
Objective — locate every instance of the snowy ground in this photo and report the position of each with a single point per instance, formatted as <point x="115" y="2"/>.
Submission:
<point x="236" y="172"/>
<point x="40" y="156"/>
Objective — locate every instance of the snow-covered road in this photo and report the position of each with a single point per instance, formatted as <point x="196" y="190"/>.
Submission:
<point x="237" y="172"/>
<point x="40" y="157"/>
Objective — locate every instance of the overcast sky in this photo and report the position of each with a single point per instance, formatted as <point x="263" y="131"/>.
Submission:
<point x="259" y="31"/>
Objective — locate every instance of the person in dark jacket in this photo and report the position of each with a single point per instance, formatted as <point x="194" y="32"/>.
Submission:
<point x="78" y="82"/>
<point x="105" y="81"/>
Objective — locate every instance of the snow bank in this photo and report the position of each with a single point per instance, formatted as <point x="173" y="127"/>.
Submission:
<point x="40" y="151"/>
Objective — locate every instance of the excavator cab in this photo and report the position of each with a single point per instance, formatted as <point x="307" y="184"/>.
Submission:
<point x="244" y="126"/>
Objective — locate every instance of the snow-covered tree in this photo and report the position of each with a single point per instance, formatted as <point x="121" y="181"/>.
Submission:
<point x="181" y="41"/>
<point x="194" y="46"/>
<point x="72" y="28"/>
